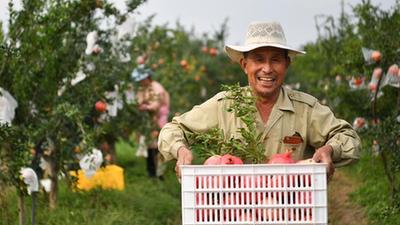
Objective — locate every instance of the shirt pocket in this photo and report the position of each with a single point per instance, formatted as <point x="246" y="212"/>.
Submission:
<point x="273" y="145"/>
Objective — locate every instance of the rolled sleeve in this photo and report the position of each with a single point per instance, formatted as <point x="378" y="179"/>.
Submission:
<point x="326" y="129"/>
<point x="175" y="134"/>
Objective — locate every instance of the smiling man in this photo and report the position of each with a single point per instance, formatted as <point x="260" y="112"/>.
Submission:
<point x="281" y="112"/>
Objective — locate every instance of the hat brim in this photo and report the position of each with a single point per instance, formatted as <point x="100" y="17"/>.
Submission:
<point x="235" y="52"/>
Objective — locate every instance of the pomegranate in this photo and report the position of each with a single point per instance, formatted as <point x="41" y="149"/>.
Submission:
<point x="281" y="158"/>
<point x="376" y="56"/>
<point x="213" y="51"/>
<point x="213" y="160"/>
<point x="204" y="49"/>
<point x="184" y="64"/>
<point x="230" y="159"/>
<point x="100" y="106"/>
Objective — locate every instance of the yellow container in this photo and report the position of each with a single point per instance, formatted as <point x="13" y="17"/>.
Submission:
<point x="109" y="177"/>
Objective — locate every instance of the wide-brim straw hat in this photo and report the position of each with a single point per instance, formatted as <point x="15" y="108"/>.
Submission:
<point x="261" y="34"/>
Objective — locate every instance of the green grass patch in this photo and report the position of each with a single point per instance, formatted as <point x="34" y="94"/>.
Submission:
<point x="144" y="200"/>
<point x="373" y="193"/>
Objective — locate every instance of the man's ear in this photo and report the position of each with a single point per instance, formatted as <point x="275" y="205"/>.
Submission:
<point x="243" y="64"/>
<point x="288" y="61"/>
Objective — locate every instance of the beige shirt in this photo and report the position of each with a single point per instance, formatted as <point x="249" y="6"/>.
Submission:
<point x="293" y="112"/>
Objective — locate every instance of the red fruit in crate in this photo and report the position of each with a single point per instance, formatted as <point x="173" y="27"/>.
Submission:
<point x="269" y="203"/>
<point x="281" y="158"/>
<point x="231" y="198"/>
<point x="230" y="159"/>
<point x="306" y="178"/>
<point x="213" y="160"/>
<point x="205" y="213"/>
<point x="304" y="198"/>
<point x="100" y="106"/>
<point x="207" y="182"/>
<point x="376" y="56"/>
<point x="246" y="216"/>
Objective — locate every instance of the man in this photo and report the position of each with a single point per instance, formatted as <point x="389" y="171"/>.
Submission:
<point x="154" y="99"/>
<point x="281" y="112"/>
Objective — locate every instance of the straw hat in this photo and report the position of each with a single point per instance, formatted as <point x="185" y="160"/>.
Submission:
<point x="261" y="34"/>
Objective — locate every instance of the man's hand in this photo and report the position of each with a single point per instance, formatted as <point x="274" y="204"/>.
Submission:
<point x="324" y="155"/>
<point x="185" y="157"/>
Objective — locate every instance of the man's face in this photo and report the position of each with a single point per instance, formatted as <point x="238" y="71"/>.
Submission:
<point x="266" y="68"/>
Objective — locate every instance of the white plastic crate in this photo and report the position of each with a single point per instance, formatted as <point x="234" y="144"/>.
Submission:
<point x="254" y="194"/>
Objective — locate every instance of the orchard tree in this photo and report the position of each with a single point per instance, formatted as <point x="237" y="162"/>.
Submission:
<point x="342" y="56"/>
<point x="57" y="71"/>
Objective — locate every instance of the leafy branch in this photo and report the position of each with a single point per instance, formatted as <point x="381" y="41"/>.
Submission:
<point x="249" y="146"/>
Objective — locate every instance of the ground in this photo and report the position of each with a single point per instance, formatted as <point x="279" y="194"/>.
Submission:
<point x="341" y="210"/>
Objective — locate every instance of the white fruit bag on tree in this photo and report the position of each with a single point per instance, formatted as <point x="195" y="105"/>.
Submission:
<point x="370" y="55"/>
<point x="30" y="179"/>
<point x="46" y="184"/>
<point x="360" y="123"/>
<point x="91" y="162"/>
<point x="115" y="102"/>
<point x="357" y="82"/>
<point x="129" y="95"/>
<point x="392" y="77"/>
<point x="80" y="76"/>
<point x="91" y="39"/>
<point x="7" y="107"/>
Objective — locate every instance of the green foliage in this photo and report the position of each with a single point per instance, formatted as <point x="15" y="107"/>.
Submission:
<point x="338" y="52"/>
<point x="249" y="147"/>
<point x="13" y="155"/>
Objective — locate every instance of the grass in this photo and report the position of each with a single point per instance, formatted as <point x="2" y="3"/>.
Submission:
<point x="373" y="193"/>
<point x="144" y="200"/>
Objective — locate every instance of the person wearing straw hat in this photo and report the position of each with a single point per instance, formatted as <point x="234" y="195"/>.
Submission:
<point x="281" y="112"/>
<point x="154" y="99"/>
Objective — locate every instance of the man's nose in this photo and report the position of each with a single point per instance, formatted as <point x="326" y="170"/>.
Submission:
<point x="266" y="68"/>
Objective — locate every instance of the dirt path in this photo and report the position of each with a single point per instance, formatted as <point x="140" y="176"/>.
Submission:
<point x="341" y="210"/>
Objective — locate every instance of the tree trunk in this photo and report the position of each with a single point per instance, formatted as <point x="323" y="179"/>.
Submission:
<point x="54" y="184"/>
<point x="21" y="208"/>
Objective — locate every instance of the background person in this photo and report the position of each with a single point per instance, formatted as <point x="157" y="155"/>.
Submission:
<point x="154" y="99"/>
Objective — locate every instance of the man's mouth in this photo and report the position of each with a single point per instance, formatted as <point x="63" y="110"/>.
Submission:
<point x="266" y="79"/>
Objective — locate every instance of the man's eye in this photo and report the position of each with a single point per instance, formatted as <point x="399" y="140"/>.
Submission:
<point x="277" y="59"/>
<point x="259" y="59"/>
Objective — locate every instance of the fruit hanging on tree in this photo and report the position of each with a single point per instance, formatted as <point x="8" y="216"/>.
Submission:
<point x="100" y="106"/>
<point x="376" y="56"/>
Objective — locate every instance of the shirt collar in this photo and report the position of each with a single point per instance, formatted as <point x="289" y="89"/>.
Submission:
<point x="284" y="103"/>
